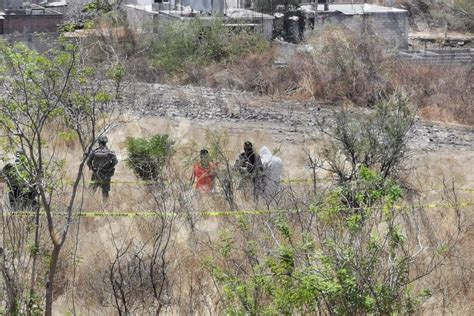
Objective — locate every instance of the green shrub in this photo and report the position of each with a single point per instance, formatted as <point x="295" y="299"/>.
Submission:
<point x="377" y="141"/>
<point x="344" y="265"/>
<point x="466" y="5"/>
<point x="245" y="42"/>
<point x="147" y="156"/>
<point x="466" y="9"/>
<point x="180" y="45"/>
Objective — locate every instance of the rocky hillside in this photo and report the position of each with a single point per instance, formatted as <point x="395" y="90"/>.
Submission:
<point x="246" y="111"/>
<point x="427" y="15"/>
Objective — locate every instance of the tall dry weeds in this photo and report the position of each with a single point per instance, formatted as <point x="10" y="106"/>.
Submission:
<point x="442" y="92"/>
<point x="344" y="67"/>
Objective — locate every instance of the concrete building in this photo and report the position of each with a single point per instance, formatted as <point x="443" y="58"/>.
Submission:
<point x="19" y="18"/>
<point x="390" y="24"/>
<point x="146" y="16"/>
<point x="58" y="6"/>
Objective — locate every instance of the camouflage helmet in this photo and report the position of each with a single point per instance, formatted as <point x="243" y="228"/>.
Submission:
<point x="20" y="153"/>
<point x="102" y="140"/>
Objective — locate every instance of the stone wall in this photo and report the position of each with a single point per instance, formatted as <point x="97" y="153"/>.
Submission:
<point x="392" y="27"/>
<point x="31" y="23"/>
<point x="140" y="19"/>
<point x="389" y="3"/>
<point x="449" y="56"/>
<point x="151" y="21"/>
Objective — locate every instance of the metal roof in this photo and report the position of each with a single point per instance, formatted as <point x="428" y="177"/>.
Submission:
<point x="353" y="9"/>
<point x="235" y="13"/>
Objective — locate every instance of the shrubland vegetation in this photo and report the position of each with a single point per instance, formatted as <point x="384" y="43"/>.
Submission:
<point x="337" y="259"/>
<point x="340" y="67"/>
<point x="356" y="245"/>
<point x="377" y="142"/>
<point x="343" y="68"/>
<point x="182" y="46"/>
<point x="454" y="15"/>
<point x="42" y="90"/>
<point x="361" y="244"/>
<point x="466" y="6"/>
<point x="146" y="157"/>
<point x="348" y="251"/>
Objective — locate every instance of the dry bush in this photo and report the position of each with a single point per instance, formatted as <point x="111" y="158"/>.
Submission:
<point x="190" y="289"/>
<point x="310" y="78"/>
<point x="253" y="72"/>
<point x="456" y="15"/>
<point x="258" y="73"/>
<point x="350" y="66"/>
<point x="447" y="230"/>
<point x="255" y="261"/>
<point x="442" y="92"/>
<point x="193" y="292"/>
<point x="336" y="70"/>
<point x="139" y="69"/>
<point x="131" y="273"/>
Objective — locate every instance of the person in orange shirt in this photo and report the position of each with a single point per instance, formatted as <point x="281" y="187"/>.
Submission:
<point x="204" y="173"/>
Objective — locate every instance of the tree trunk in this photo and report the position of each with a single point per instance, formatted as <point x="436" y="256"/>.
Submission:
<point x="33" y="266"/>
<point x="48" y="310"/>
<point x="12" y="291"/>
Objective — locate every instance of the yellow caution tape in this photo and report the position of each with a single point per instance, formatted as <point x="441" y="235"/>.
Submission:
<point x="205" y="213"/>
<point x="439" y="205"/>
<point x="147" y="214"/>
<point x="245" y="212"/>
<point x="294" y="180"/>
<point x="300" y="180"/>
<point x="70" y="182"/>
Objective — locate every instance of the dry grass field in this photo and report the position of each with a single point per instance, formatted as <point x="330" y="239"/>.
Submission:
<point x="95" y="240"/>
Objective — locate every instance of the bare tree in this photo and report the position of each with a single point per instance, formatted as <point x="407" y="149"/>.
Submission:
<point x="376" y="141"/>
<point x="142" y="269"/>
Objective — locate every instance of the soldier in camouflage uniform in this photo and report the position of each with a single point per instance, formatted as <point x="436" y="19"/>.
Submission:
<point x="249" y="165"/>
<point x="22" y="193"/>
<point x="102" y="162"/>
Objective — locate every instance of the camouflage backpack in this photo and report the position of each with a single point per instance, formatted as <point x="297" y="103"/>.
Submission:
<point x="103" y="162"/>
